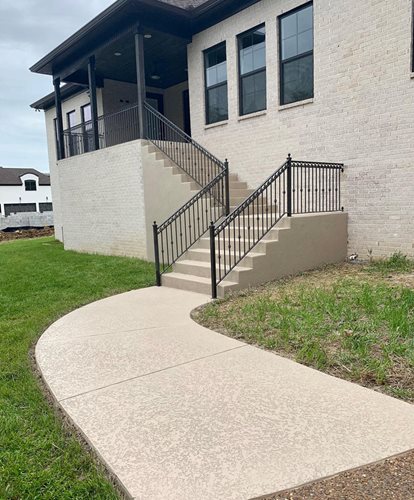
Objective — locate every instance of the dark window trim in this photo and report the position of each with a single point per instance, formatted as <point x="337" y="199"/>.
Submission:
<point x="251" y="73"/>
<point x="301" y="56"/>
<point x="83" y="112"/>
<point x="412" y="37"/>
<point x="68" y="119"/>
<point x="31" y="181"/>
<point x="212" y="87"/>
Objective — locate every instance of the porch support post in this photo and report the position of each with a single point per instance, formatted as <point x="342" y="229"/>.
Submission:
<point x="94" y="101"/>
<point x="59" y="120"/>
<point x="141" y="86"/>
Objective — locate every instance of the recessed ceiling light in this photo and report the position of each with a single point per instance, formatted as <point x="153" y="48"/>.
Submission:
<point x="156" y="77"/>
<point x="147" y="35"/>
<point x="118" y="54"/>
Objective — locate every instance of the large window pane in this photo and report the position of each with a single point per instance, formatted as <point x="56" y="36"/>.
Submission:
<point x="217" y="106"/>
<point x="254" y="92"/>
<point x="252" y="51"/>
<point x="296" y="41"/>
<point x="252" y="70"/>
<point x="297" y="32"/>
<point x="298" y="80"/>
<point x="216" y="84"/>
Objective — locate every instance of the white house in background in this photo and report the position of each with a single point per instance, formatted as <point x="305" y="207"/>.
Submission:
<point x="24" y="190"/>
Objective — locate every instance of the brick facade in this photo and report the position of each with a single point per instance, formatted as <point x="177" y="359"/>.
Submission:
<point x="362" y="113"/>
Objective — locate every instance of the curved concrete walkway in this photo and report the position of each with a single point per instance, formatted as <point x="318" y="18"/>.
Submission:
<point x="179" y="412"/>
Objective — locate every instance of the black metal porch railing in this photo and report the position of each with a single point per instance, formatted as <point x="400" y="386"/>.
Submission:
<point x="113" y="128"/>
<point x="179" y="233"/>
<point x="183" y="150"/>
<point x="297" y="187"/>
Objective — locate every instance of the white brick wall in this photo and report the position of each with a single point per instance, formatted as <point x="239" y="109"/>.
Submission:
<point x="102" y="201"/>
<point x="362" y="113"/>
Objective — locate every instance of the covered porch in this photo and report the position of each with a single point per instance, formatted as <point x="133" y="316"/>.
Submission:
<point x="130" y="76"/>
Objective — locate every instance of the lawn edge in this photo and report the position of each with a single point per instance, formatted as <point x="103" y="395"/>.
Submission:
<point x="68" y="425"/>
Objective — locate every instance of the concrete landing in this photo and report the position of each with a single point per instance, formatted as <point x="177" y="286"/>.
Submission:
<point x="179" y="412"/>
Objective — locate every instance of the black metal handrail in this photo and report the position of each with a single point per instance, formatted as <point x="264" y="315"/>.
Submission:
<point x="113" y="128"/>
<point x="183" y="150"/>
<point x="184" y="228"/>
<point x="297" y="187"/>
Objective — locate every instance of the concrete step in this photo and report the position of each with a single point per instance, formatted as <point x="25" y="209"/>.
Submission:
<point x="197" y="268"/>
<point x="203" y="255"/>
<point x="187" y="282"/>
<point x="196" y="284"/>
<point x="259" y="247"/>
<point x="238" y="185"/>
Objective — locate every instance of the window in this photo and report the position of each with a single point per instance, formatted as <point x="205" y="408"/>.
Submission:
<point x="86" y="113"/>
<point x="71" y="117"/>
<point x="87" y="132"/>
<point x="252" y="70"/>
<point x="45" y="207"/>
<point x="296" y="55"/>
<point x="215" y="64"/>
<point x="17" y="208"/>
<point x="30" y="185"/>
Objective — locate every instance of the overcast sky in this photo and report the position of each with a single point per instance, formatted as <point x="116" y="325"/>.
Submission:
<point x="29" y="29"/>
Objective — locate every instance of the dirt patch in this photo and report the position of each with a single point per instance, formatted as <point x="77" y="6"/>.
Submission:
<point x="26" y="234"/>
<point x="390" y="479"/>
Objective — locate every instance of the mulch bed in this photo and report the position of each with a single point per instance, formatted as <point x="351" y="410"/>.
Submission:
<point x="391" y="479"/>
<point x="26" y="234"/>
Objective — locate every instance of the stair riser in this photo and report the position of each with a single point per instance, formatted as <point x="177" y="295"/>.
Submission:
<point x="194" y="270"/>
<point x="259" y="247"/>
<point x="191" y="286"/>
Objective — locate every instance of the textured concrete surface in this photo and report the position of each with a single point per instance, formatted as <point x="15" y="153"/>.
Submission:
<point x="179" y="412"/>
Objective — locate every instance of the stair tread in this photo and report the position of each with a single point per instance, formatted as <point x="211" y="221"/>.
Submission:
<point x="207" y="251"/>
<point x="200" y="263"/>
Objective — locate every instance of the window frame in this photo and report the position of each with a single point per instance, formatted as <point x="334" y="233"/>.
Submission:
<point x="217" y="85"/>
<point x="30" y="181"/>
<point x="412" y="39"/>
<point x="68" y="115"/>
<point x="251" y="73"/>
<point x="84" y="122"/>
<point x="297" y="57"/>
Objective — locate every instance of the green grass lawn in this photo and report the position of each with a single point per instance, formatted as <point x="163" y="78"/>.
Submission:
<point x="352" y="321"/>
<point x="40" y="282"/>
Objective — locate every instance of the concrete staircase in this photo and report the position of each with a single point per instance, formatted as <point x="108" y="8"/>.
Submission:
<point x="294" y="245"/>
<point x="193" y="271"/>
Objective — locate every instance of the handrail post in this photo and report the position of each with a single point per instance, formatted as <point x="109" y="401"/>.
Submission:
<point x="289" y="185"/>
<point x="213" y="261"/>
<point x="156" y="254"/>
<point x="227" y="186"/>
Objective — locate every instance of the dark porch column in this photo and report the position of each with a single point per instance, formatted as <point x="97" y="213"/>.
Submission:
<point x="59" y="120"/>
<point x="140" y="65"/>
<point x="94" y="102"/>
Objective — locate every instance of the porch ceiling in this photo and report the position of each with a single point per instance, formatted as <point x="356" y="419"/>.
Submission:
<point x="164" y="16"/>
<point x="165" y="55"/>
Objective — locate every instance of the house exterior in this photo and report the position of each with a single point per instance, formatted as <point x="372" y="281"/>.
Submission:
<point x="24" y="190"/>
<point x="250" y="81"/>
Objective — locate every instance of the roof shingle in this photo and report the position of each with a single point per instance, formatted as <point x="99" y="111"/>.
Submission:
<point x="11" y="176"/>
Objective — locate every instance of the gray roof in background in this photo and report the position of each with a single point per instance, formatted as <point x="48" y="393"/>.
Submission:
<point x="11" y="176"/>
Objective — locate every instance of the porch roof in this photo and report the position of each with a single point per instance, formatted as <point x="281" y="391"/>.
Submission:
<point x="181" y="18"/>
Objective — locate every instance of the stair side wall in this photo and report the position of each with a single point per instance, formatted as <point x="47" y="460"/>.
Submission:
<point x="164" y="194"/>
<point x="312" y="241"/>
